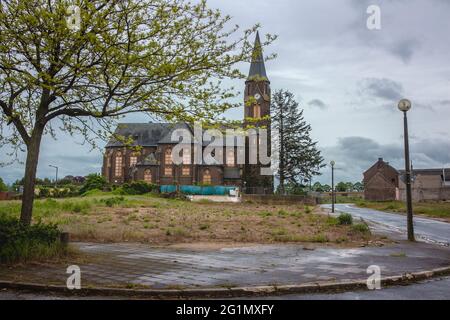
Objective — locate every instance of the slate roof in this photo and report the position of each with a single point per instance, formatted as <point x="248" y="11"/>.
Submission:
<point x="152" y="134"/>
<point x="146" y="134"/>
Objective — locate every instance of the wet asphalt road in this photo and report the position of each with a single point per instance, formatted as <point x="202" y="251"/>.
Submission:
<point x="436" y="289"/>
<point x="427" y="230"/>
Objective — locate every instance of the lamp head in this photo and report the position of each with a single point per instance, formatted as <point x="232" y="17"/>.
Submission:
<point x="332" y="163"/>
<point x="404" y="105"/>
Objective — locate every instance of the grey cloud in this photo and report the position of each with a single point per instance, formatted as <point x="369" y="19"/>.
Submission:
<point x="354" y="155"/>
<point x="404" y="49"/>
<point x="317" y="103"/>
<point x="384" y="88"/>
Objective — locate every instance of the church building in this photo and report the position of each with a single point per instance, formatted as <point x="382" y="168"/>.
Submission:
<point x="153" y="162"/>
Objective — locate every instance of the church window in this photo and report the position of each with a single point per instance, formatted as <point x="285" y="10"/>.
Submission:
<point x="186" y="156"/>
<point x="133" y="159"/>
<point x="168" y="156"/>
<point x="186" y="171"/>
<point x="257" y="111"/>
<point x="119" y="163"/>
<point x="148" y="176"/>
<point x="230" y="158"/>
<point x="207" y="177"/>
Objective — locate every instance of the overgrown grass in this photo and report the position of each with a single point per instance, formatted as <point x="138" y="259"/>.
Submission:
<point x="106" y="217"/>
<point x="20" y="243"/>
<point x="432" y="209"/>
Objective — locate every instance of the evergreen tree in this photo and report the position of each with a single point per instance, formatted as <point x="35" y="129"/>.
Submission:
<point x="299" y="158"/>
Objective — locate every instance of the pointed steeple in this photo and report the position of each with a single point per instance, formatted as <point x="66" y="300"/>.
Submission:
<point x="257" y="67"/>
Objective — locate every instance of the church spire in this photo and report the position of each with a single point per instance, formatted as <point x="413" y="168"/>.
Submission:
<point x="257" y="67"/>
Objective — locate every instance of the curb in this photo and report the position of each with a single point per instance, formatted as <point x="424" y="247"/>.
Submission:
<point x="316" y="287"/>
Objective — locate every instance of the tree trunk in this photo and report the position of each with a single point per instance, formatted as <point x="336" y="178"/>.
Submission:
<point x="30" y="175"/>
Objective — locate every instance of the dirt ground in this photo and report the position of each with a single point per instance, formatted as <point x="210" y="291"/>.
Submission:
<point x="160" y="221"/>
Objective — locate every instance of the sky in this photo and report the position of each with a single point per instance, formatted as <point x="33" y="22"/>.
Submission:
<point x="347" y="78"/>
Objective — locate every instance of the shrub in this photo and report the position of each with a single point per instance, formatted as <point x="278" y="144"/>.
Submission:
<point x="345" y="219"/>
<point x="135" y="188"/>
<point x="361" y="227"/>
<point x="110" y="202"/>
<point x="21" y="243"/>
<point x="93" y="181"/>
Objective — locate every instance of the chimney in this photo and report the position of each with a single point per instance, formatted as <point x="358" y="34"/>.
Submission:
<point x="380" y="159"/>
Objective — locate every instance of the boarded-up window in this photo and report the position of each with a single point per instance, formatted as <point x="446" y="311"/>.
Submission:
<point x="148" y="176"/>
<point x="133" y="159"/>
<point x="257" y="111"/>
<point x="118" y="165"/>
<point x="186" y="171"/>
<point x="168" y="156"/>
<point x="230" y="158"/>
<point x="186" y="156"/>
<point x="207" y="177"/>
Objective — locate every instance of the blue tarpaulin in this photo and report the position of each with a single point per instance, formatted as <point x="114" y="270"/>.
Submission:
<point x="199" y="190"/>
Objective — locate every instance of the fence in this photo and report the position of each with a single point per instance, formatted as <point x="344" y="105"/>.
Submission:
<point x="199" y="190"/>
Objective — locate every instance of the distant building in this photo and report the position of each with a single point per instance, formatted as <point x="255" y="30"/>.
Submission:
<point x="382" y="182"/>
<point x="427" y="184"/>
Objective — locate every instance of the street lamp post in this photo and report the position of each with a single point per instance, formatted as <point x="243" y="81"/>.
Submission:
<point x="405" y="105"/>
<point x="332" y="163"/>
<point x="56" y="180"/>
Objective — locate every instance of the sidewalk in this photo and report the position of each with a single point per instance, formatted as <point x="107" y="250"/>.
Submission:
<point x="142" y="266"/>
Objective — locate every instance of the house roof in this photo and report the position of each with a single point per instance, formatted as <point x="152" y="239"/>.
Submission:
<point x="380" y="164"/>
<point x="429" y="172"/>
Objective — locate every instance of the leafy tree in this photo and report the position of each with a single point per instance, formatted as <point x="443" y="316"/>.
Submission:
<point x="93" y="181"/>
<point x="165" y="58"/>
<point x="341" y="187"/>
<point x="358" y="186"/>
<point x="326" y="188"/>
<point x="299" y="158"/>
<point x="3" y="186"/>
<point x="318" y="187"/>
<point x="350" y="186"/>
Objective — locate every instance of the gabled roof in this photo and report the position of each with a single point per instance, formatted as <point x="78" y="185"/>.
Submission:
<point x="380" y="164"/>
<point x="257" y="67"/>
<point x="146" y="134"/>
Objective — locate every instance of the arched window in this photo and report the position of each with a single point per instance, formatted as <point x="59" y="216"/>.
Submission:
<point x="257" y="111"/>
<point x="207" y="177"/>
<point x="168" y="156"/>
<point x="168" y="162"/>
<point x="186" y="171"/>
<point x="230" y="158"/>
<point x="133" y="159"/>
<point x="118" y="164"/>
<point x="186" y="155"/>
<point x="148" y="176"/>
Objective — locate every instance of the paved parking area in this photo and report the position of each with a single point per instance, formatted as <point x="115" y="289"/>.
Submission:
<point x="128" y="265"/>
